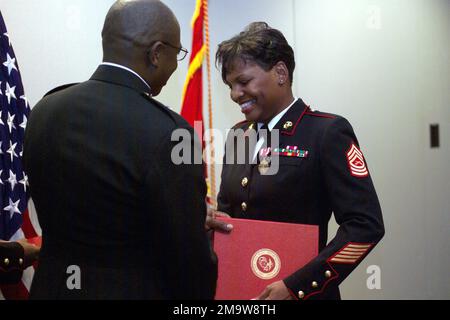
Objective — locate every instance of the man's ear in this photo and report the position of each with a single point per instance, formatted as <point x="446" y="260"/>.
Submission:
<point x="282" y="72"/>
<point x="155" y="53"/>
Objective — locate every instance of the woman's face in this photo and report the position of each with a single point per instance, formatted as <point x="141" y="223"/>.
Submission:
<point x="255" y="90"/>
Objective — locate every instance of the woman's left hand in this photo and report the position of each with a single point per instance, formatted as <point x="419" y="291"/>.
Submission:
<point x="275" y="291"/>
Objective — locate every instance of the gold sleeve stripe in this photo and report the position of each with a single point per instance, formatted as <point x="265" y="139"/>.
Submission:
<point x="343" y="260"/>
<point x="358" y="246"/>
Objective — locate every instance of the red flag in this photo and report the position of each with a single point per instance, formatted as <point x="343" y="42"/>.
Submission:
<point x="192" y="103"/>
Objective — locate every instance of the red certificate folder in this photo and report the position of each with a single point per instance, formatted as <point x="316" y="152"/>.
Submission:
<point x="257" y="253"/>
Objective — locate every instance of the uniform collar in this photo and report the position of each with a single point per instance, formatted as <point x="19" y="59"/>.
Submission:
<point x="286" y="121"/>
<point x="289" y="121"/>
<point x="121" y="75"/>
<point x="272" y="123"/>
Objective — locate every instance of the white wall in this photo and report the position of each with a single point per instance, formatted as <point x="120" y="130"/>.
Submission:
<point x="383" y="64"/>
<point x="55" y="41"/>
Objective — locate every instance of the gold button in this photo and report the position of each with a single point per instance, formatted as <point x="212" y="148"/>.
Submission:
<point x="314" y="284"/>
<point x="287" y="125"/>
<point x="244" y="182"/>
<point x="327" y="274"/>
<point x="6" y="261"/>
<point x="301" y="294"/>
<point x="244" y="206"/>
<point x="20" y="261"/>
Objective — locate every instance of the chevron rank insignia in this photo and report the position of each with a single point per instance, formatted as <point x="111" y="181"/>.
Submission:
<point x="356" y="162"/>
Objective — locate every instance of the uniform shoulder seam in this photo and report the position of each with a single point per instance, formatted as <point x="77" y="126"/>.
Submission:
<point x="60" y="88"/>
<point x="321" y="114"/>
<point x="171" y="114"/>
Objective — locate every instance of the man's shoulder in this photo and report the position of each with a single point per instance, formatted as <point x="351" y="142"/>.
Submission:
<point x="170" y="115"/>
<point x="59" y="95"/>
<point x="60" y="88"/>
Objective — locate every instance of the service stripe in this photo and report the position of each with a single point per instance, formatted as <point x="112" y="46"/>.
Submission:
<point x="351" y="253"/>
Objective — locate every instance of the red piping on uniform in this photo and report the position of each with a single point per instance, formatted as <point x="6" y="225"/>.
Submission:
<point x="291" y="133"/>
<point x="337" y="274"/>
<point x="325" y="284"/>
<point x="239" y="123"/>
<point x="320" y="115"/>
<point x="292" y="294"/>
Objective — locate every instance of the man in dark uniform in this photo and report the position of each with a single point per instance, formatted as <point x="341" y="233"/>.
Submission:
<point x="321" y="169"/>
<point x="117" y="222"/>
<point x="15" y="256"/>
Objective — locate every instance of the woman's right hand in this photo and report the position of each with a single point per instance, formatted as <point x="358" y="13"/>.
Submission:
<point x="212" y="223"/>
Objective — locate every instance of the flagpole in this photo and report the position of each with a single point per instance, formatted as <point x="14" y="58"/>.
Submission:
<point x="212" y="175"/>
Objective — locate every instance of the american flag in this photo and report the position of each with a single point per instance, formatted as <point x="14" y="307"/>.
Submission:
<point x="17" y="215"/>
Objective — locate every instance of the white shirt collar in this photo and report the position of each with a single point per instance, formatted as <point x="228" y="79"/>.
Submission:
<point x="272" y="123"/>
<point x="126" y="68"/>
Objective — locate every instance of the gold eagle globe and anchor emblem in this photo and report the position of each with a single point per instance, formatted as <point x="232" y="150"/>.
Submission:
<point x="288" y="125"/>
<point x="265" y="264"/>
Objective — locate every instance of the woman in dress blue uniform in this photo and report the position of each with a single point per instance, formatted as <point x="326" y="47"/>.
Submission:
<point x="321" y="169"/>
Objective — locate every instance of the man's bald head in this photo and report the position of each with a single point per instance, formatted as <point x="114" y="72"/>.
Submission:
<point x="143" y="35"/>
<point x="132" y="24"/>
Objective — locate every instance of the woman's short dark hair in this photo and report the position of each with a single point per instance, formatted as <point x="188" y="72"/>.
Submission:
<point x="260" y="44"/>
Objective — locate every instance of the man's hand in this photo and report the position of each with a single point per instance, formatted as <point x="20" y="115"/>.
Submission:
<point x="214" y="224"/>
<point x="31" y="252"/>
<point x="275" y="291"/>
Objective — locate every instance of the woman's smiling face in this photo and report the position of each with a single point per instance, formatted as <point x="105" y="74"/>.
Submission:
<point x="255" y="90"/>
